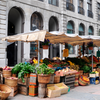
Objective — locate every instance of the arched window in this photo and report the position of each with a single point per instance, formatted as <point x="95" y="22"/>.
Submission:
<point x="90" y="30"/>
<point x="70" y="30"/>
<point x="81" y="29"/>
<point x="70" y="27"/>
<point x="36" y="21"/>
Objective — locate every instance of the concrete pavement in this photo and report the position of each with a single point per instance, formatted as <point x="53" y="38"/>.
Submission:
<point x="90" y="92"/>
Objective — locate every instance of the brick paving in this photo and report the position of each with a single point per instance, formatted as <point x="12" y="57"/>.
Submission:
<point x="90" y="92"/>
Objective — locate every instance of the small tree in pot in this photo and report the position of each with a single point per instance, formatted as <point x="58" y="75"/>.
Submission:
<point x="44" y="73"/>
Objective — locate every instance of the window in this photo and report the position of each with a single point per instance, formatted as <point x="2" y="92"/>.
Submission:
<point x="81" y="29"/>
<point x="98" y="11"/>
<point x="36" y="23"/>
<point x="90" y="30"/>
<point x="80" y="3"/>
<point x="80" y="7"/>
<point x="69" y="5"/>
<point x="99" y="32"/>
<point x="89" y="3"/>
<point x="70" y="27"/>
<point x="40" y="0"/>
<point x="54" y="2"/>
<point x="70" y="30"/>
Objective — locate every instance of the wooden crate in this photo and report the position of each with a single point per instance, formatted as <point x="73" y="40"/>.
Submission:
<point x="23" y="90"/>
<point x="26" y="83"/>
<point x="33" y="90"/>
<point x="14" y="91"/>
<point x="69" y="80"/>
<point x="33" y="79"/>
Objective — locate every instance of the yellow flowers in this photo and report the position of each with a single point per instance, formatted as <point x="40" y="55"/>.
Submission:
<point x="71" y="63"/>
<point x="35" y="61"/>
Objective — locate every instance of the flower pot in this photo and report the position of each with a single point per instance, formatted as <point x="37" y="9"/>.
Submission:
<point x="90" y="48"/>
<point x="43" y="78"/>
<point x="45" y="46"/>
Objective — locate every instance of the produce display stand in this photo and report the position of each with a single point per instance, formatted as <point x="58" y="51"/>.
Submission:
<point x="40" y="36"/>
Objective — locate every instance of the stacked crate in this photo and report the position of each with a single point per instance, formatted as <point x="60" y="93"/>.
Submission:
<point x="23" y="88"/>
<point x="33" y="85"/>
<point x="12" y="83"/>
<point x="69" y="80"/>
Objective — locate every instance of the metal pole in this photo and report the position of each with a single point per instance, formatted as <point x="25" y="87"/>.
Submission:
<point x="38" y="53"/>
<point x="92" y="60"/>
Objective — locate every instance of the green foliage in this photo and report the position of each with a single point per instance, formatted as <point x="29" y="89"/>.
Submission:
<point x="93" y="73"/>
<point x="27" y="68"/>
<point x="46" y="61"/>
<point x="17" y="68"/>
<point x="43" y="69"/>
<point x="86" y="69"/>
<point x="77" y="61"/>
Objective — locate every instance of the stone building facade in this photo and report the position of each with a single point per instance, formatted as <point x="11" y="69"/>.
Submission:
<point x="71" y="16"/>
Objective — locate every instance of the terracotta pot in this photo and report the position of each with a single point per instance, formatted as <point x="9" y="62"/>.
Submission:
<point x="45" y="46"/>
<point x="43" y="78"/>
<point x="90" y="48"/>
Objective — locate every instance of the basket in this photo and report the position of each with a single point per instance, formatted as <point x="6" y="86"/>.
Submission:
<point x="82" y="81"/>
<point x="62" y="87"/>
<point x="43" y="79"/>
<point x="53" y="91"/>
<point x="6" y="73"/>
<point x="11" y="82"/>
<point x="56" y="79"/>
<point x="4" y="95"/>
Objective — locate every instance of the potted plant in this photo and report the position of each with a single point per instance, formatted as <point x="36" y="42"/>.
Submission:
<point x="46" y="44"/>
<point x="44" y="73"/>
<point x="90" y="45"/>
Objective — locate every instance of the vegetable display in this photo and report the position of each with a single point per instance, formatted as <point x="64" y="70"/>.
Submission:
<point x="43" y="69"/>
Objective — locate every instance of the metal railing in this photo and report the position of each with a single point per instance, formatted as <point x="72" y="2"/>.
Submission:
<point x="80" y="10"/>
<point x="70" y="6"/>
<point x="90" y="14"/>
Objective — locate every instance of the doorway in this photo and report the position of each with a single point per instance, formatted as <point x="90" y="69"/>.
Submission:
<point x="15" y="26"/>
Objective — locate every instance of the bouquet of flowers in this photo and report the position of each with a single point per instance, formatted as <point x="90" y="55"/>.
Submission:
<point x="90" y="44"/>
<point x="46" y="42"/>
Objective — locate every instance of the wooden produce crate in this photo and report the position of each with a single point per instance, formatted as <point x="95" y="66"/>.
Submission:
<point x="33" y="79"/>
<point x="70" y="80"/>
<point x="14" y="91"/>
<point x="53" y="91"/>
<point x="33" y="90"/>
<point x="62" y="87"/>
<point x="92" y="75"/>
<point x="26" y="83"/>
<point x="23" y="90"/>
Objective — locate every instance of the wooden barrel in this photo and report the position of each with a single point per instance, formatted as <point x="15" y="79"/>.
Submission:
<point x="6" y="73"/>
<point x="42" y="90"/>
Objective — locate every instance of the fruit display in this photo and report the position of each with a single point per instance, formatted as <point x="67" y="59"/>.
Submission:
<point x="75" y="67"/>
<point x="86" y="59"/>
<point x="7" y="68"/>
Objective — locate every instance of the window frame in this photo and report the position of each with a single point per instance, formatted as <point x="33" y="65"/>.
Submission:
<point x="51" y="2"/>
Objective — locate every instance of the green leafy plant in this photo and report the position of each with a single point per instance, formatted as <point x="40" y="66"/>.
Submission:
<point x="27" y="68"/>
<point x="17" y="68"/>
<point x="93" y="73"/>
<point x="90" y="44"/>
<point x="43" y="69"/>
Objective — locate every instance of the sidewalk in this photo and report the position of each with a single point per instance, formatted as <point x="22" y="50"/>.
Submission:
<point x="91" y="92"/>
